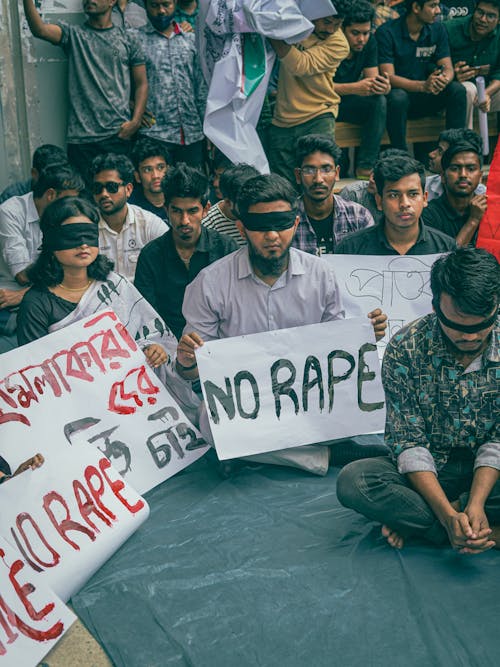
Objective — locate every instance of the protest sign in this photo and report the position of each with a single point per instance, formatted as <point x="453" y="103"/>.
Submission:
<point x="90" y="381"/>
<point x="488" y="236"/>
<point x="291" y="387"/>
<point x="399" y="285"/>
<point x="67" y="517"/>
<point x="32" y="618"/>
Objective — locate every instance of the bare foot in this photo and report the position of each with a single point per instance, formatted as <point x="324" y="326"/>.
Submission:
<point x="394" y="539"/>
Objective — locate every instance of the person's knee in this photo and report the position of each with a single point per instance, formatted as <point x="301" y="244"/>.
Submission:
<point x="398" y="99"/>
<point x="348" y="483"/>
<point x="456" y="92"/>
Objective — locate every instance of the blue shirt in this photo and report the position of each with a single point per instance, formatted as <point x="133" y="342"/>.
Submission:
<point x="412" y="59"/>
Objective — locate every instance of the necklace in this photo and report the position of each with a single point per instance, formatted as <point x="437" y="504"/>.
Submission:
<point x="76" y="289"/>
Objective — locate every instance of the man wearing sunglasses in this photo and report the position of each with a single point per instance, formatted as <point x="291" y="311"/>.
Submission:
<point x="475" y="51"/>
<point x="124" y="229"/>
<point x="441" y="377"/>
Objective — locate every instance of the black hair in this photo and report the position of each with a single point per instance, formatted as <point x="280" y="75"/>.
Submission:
<point x="265" y="188"/>
<point x="341" y="7"/>
<point x="390" y="153"/>
<point x="233" y="178"/>
<point x="59" y="177"/>
<point x="221" y="161"/>
<point x="314" y="143"/>
<point x="185" y="181"/>
<point x="459" y="147"/>
<point x="495" y="3"/>
<point x="48" y="154"/>
<point x="113" y="162"/>
<point x="148" y="148"/>
<point x="46" y="270"/>
<point x="392" y="169"/>
<point x="409" y="4"/>
<point x="462" y="134"/>
<point x="359" y="11"/>
<point x="471" y="277"/>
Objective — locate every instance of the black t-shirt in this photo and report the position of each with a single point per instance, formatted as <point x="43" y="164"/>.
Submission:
<point x="324" y="233"/>
<point x="351" y="69"/>
<point x="39" y="310"/>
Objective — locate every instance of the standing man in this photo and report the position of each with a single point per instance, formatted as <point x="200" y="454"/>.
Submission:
<point x="414" y="52"/>
<point x="106" y="71"/>
<point x="265" y="285"/>
<point x="402" y="199"/>
<point x="459" y="210"/>
<point x="168" y="264"/>
<point x="475" y="51"/>
<point x="177" y="89"/>
<point x="441" y="376"/>
<point x="324" y="218"/>
<point x="187" y="10"/>
<point x="306" y="99"/>
<point x="151" y="162"/>
<point x="361" y="87"/>
<point x="124" y="229"/>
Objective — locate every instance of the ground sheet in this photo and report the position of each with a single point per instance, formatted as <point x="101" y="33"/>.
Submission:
<point x="266" y="568"/>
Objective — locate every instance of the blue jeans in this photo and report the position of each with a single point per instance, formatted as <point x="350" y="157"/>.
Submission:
<point x="374" y="488"/>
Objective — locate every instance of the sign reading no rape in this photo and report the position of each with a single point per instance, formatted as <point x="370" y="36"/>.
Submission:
<point x="292" y="387"/>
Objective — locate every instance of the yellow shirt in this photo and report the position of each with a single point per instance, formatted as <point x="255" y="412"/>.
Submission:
<point x="305" y="84"/>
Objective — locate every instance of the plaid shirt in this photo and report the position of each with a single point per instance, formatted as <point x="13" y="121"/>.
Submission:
<point x="434" y="405"/>
<point x="348" y="217"/>
<point x="177" y="90"/>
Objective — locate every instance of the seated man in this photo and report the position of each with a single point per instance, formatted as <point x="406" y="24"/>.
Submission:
<point x="44" y="156"/>
<point x="265" y="285"/>
<point x="458" y="211"/>
<point x="222" y="216"/>
<point x="434" y="183"/>
<point x="124" y="229"/>
<point x="21" y="238"/>
<point x="401" y="198"/>
<point x="441" y="376"/>
<point x="475" y="51"/>
<point x="168" y="264"/>
<point x="306" y="100"/>
<point x="151" y="161"/>
<point x="324" y="217"/>
<point x="413" y="50"/>
<point x="361" y="87"/>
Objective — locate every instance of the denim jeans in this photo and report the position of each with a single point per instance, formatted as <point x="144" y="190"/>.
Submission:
<point x="370" y="113"/>
<point x="402" y="105"/>
<point x="374" y="488"/>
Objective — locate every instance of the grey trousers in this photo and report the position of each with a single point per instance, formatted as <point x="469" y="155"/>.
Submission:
<point x="374" y="488"/>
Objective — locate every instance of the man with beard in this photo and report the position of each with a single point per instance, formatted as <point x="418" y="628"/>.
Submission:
<point x="124" y="229"/>
<point x="458" y="211"/>
<point x="264" y="286"/>
<point x="168" y="264"/>
<point x="441" y="376"/>
<point x="106" y="71"/>
<point x="324" y="218"/>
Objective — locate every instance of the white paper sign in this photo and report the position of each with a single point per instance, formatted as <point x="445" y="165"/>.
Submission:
<point x="69" y="516"/>
<point x="90" y="381"/>
<point x="32" y="618"/>
<point x="399" y="285"/>
<point x="291" y="387"/>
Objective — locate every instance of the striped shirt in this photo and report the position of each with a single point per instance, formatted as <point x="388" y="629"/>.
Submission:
<point x="215" y="219"/>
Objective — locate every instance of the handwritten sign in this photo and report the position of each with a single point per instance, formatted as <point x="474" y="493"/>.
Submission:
<point x="90" y="381"/>
<point x="67" y="517"/>
<point x="489" y="229"/>
<point x="399" y="285"/>
<point x="291" y="387"/>
<point x="32" y="618"/>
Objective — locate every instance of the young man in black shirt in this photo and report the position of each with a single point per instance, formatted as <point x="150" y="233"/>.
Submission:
<point x="414" y="52"/>
<point x="151" y="161"/>
<point x="360" y="85"/>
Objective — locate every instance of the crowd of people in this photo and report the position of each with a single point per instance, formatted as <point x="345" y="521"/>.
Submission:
<point x="214" y="249"/>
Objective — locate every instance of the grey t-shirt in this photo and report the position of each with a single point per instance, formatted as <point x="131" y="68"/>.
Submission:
<point x="99" y="79"/>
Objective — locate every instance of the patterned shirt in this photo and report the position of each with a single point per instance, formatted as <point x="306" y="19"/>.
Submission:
<point x="177" y="90"/>
<point x="348" y="217"/>
<point x="434" y="405"/>
<point x="358" y="192"/>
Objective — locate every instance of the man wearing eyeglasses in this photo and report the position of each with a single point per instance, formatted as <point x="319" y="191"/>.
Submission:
<point x="441" y="376"/>
<point x="325" y="218"/>
<point x="124" y="229"/>
<point x="475" y="51"/>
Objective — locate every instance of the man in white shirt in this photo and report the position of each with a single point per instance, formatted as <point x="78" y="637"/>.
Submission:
<point x="124" y="229"/>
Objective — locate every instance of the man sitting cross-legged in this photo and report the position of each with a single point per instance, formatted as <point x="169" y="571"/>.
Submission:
<point x="441" y="375"/>
<point x="264" y="286"/>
